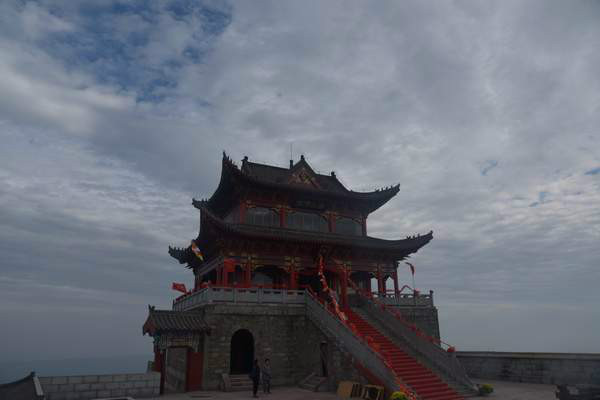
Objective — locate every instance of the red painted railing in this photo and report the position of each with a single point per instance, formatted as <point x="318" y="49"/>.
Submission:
<point x="367" y="341"/>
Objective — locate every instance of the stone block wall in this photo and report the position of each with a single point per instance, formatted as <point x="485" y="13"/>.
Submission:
<point x="341" y="368"/>
<point x="86" y="387"/>
<point x="425" y="318"/>
<point x="553" y="368"/>
<point x="282" y="333"/>
<point x="309" y="340"/>
<point x="272" y="327"/>
<point x="175" y="371"/>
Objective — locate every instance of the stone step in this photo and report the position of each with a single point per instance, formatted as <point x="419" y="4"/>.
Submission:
<point x="312" y="388"/>
<point x="313" y="383"/>
<point x="246" y="379"/>
<point x="240" y="383"/>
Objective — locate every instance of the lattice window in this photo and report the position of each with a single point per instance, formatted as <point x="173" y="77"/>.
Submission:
<point x="348" y="226"/>
<point x="307" y="221"/>
<point x="262" y="216"/>
<point x="234" y="215"/>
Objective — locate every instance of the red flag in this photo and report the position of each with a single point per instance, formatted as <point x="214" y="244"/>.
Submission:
<point x="180" y="287"/>
<point x="412" y="267"/>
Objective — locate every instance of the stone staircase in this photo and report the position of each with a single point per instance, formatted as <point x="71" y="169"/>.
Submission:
<point x="426" y="384"/>
<point x="313" y="382"/>
<point x="240" y="383"/>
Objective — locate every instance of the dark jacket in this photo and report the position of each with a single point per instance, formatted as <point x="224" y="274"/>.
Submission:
<point x="255" y="373"/>
<point x="266" y="372"/>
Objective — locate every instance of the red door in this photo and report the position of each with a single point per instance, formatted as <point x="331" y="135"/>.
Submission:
<point x="159" y="366"/>
<point x="194" y="370"/>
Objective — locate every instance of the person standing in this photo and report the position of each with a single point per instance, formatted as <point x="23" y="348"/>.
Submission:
<point x="266" y="376"/>
<point x="255" y="376"/>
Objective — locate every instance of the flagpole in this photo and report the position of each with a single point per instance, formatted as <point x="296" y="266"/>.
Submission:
<point x="412" y="271"/>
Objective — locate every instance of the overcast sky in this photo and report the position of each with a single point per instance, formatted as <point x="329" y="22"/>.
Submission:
<point x="113" y="115"/>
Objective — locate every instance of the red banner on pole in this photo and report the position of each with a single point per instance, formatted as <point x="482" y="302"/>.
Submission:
<point x="180" y="287"/>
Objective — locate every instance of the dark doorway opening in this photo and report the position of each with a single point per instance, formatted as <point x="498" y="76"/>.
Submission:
<point x="242" y="352"/>
<point x="311" y="280"/>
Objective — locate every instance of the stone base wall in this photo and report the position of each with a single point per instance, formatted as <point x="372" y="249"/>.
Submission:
<point x="341" y="368"/>
<point x="282" y="333"/>
<point x="275" y="329"/>
<point x="425" y="318"/>
<point x="176" y="370"/>
<point x="553" y="368"/>
<point x="85" y="387"/>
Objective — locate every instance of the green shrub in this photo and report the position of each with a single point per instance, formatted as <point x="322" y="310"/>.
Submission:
<point x="485" y="389"/>
<point x="398" y="396"/>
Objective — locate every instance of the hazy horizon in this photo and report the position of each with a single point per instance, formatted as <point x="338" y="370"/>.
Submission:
<point x="131" y="363"/>
<point x="114" y="115"/>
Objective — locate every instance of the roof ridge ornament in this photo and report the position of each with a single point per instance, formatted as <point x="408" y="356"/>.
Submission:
<point x="228" y="160"/>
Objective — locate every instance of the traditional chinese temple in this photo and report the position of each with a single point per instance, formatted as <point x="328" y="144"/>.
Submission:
<point x="284" y="268"/>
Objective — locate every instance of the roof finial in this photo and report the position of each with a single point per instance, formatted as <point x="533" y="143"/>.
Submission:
<point x="291" y="155"/>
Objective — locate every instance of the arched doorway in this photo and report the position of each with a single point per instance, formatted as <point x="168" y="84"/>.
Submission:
<point x="242" y="352"/>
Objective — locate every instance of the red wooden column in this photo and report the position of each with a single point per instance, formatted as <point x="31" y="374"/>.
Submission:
<point x="380" y="284"/>
<point x="224" y="274"/>
<point x="159" y="366"/>
<point x="243" y="208"/>
<point x="282" y="217"/>
<point x="395" y="275"/>
<point x="248" y="273"/>
<point x="293" y="278"/>
<point x="344" y="287"/>
<point x="157" y="360"/>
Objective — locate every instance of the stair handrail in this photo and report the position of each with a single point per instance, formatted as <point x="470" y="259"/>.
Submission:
<point x="357" y="345"/>
<point x="422" y="334"/>
<point x="418" y="340"/>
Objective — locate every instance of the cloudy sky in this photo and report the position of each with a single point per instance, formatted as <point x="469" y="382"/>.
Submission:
<point x="113" y="115"/>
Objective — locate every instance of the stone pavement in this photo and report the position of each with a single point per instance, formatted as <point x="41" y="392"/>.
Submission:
<point x="278" y="393"/>
<point x="502" y="391"/>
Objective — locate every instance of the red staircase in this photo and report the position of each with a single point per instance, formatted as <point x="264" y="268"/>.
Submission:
<point x="422" y="380"/>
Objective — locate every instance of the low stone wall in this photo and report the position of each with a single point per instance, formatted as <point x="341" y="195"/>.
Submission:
<point x="85" y="387"/>
<point x="553" y="368"/>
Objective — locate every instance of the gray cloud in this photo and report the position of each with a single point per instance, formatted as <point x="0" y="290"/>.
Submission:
<point x="475" y="108"/>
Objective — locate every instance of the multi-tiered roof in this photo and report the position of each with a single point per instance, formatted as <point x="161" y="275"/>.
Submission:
<point x="296" y="187"/>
